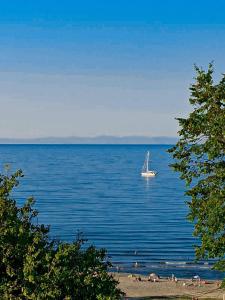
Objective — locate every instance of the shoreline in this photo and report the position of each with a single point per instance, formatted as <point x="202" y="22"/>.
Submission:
<point x="137" y="286"/>
<point x="185" y="270"/>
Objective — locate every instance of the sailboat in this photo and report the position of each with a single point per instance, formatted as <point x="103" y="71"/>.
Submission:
<point x="145" y="171"/>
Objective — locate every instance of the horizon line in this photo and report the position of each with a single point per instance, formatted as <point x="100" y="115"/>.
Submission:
<point x="97" y="140"/>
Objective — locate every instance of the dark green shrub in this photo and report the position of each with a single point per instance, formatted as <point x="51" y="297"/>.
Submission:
<point x="34" y="267"/>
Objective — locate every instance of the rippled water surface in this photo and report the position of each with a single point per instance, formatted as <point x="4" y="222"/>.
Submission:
<point x="98" y="190"/>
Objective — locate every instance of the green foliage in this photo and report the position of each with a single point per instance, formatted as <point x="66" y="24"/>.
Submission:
<point x="199" y="157"/>
<point x="34" y="267"/>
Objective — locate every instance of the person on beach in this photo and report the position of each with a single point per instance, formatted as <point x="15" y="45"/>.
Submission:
<point x="138" y="278"/>
<point x="196" y="278"/>
<point x="153" y="277"/>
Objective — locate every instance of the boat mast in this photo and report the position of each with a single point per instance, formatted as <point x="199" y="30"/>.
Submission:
<point x="147" y="160"/>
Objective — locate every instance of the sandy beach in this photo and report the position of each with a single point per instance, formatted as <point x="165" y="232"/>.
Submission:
<point x="138" y="287"/>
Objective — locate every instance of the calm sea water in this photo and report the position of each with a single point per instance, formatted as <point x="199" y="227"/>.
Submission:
<point x="98" y="190"/>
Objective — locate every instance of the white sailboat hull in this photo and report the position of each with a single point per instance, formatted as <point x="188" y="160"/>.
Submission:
<point x="148" y="174"/>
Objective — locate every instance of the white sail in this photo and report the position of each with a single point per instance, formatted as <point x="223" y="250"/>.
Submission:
<point x="145" y="166"/>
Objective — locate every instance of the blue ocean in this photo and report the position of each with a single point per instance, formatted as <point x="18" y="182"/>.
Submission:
<point x="98" y="190"/>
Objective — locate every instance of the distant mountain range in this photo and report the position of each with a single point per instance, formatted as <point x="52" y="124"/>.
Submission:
<point x="93" y="140"/>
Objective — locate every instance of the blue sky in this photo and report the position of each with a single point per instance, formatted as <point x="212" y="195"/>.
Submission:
<point x="89" y="68"/>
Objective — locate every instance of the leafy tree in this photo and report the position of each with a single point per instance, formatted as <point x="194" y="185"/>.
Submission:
<point x="199" y="157"/>
<point x="34" y="267"/>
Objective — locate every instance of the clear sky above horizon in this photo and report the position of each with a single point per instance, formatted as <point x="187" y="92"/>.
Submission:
<point x="88" y="68"/>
